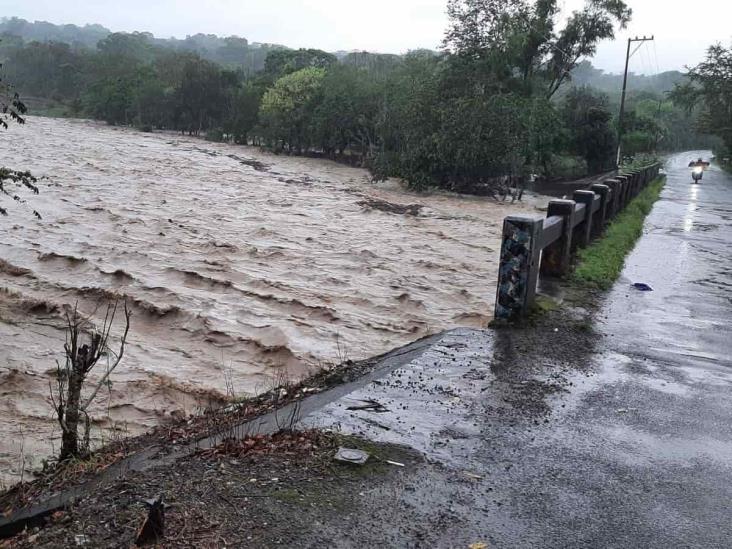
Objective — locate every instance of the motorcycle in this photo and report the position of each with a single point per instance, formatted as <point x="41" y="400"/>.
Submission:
<point x="697" y="173"/>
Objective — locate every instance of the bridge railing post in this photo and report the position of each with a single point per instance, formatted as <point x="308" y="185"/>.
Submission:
<point x="533" y="246"/>
<point x="603" y="214"/>
<point x="624" y="185"/>
<point x="614" y="206"/>
<point x="585" y="229"/>
<point x="518" y="269"/>
<point x="557" y="256"/>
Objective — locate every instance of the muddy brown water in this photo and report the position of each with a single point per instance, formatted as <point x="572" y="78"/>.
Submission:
<point x="238" y="265"/>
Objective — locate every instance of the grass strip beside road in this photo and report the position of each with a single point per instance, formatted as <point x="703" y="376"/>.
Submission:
<point x="600" y="264"/>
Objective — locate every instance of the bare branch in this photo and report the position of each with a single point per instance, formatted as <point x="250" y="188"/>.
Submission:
<point x="118" y="359"/>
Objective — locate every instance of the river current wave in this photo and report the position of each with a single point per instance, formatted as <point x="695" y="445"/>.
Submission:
<point x="237" y="265"/>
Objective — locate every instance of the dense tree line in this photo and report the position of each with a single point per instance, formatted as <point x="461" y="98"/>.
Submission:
<point x="499" y="100"/>
<point x="708" y="93"/>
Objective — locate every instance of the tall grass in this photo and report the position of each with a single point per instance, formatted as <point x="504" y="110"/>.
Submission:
<point x="600" y="264"/>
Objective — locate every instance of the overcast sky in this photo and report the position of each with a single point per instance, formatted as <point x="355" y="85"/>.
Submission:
<point x="683" y="30"/>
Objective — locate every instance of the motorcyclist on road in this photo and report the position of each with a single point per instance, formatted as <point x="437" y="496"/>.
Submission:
<point x="697" y="169"/>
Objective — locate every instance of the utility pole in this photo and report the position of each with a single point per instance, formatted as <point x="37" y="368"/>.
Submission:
<point x="628" y="55"/>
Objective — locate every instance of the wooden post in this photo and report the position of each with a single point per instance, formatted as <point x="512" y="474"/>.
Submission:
<point x="557" y="256"/>
<point x="519" y="266"/>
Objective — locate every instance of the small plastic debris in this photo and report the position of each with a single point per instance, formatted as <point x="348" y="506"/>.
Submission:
<point x="390" y="462"/>
<point x="642" y="287"/>
<point x="473" y="475"/>
<point x="478" y="545"/>
<point x="350" y="455"/>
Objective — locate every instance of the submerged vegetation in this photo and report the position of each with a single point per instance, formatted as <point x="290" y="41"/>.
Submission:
<point x="498" y="100"/>
<point x="600" y="264"/>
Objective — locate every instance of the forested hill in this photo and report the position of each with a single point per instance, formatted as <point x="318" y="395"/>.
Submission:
<point x="42" y="31"/>
<point x="238" y="52"/>
<point x="587" y="75"/>
<point x="232" y="51"/>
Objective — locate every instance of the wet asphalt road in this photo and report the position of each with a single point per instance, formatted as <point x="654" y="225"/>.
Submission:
<point x="632" y="448"/>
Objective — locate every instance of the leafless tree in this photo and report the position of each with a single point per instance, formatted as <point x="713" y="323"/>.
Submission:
<point x="80" y="360"/>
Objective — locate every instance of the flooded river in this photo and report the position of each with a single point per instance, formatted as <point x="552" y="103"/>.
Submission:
<point x="237" y="265"/>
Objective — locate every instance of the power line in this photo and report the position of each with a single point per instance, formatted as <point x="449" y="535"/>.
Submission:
<point x="655" y="55"/>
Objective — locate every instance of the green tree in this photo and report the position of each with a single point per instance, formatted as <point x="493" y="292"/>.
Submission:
<point x="347" y="113"/>
<point x="579" y="38"/>
<point x="136" y="45"/>
<point x="12" y="109"/>
<point x="201" y="96"/>
<point x="281" y="62"/>
<point x="152" y="102"/>
<point x="590" y="133"/>
<point x="407" y="122"/>
<point x="518" y="40"/>
<point x="481" y="138"/>
<point x="50" y="70"/>
<point x="710" y="85"/>
<point x="286" y="110"/>
<point x="111" y="99"/>
<point x="243" y="115"/>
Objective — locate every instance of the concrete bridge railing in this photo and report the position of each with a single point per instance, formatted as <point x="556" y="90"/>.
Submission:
<point x="532" y="245"/>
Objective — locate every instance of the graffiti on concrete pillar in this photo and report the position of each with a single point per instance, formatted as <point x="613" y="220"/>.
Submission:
<point x="513" y="275"/>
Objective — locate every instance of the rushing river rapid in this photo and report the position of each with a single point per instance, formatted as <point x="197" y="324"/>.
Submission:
<point x="237" y="265"/>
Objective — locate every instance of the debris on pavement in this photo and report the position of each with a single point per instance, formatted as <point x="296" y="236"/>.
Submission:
<point x="396" y="463"/>
<point x="283" y="442"/>
<point x="642" y="287"/>
<point x="371" y="406"/>
<point x="351" y="455"/>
